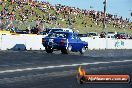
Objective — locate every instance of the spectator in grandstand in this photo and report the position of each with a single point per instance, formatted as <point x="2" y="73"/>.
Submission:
<point x="24" y="14"/>
<point x="102" y="35"/>
<point x="12" y="29"/>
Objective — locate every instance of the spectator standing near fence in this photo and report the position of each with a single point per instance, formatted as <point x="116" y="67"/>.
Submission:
<point x="12" y="29"/>
<point x="0" y="24"/>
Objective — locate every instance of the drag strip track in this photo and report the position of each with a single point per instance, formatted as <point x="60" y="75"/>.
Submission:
<point x="36" y="69"/>
<point x="61" y="66"/>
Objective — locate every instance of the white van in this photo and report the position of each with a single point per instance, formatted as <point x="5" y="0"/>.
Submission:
<point x="93" y="34"/>
<point x="111" y="34"/>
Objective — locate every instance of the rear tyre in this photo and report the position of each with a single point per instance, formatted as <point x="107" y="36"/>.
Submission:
<point x="49" y="49"/>
<point x="63" y="51"/>
<point x="83" y="50"/>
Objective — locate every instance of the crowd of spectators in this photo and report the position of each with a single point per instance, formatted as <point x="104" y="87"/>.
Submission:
<point x="8" y="15"/>
<point x="96" y="16"/>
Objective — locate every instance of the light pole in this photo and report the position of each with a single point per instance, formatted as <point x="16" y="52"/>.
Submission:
<point x="130" y="14"/>
<point x="104" y="24"/>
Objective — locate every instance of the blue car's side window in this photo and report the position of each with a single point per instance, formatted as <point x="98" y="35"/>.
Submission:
<point x="74" y="36"/>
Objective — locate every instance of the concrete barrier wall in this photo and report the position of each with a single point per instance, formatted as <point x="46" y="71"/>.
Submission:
<point x="119" y="43"/>
<point x="21" y="42"/>
<point x="109" y="43"/>
<point x="34" y="42"/>
<point x="116" y="43"/>
<point x="0" y="41"/>
<point x="13" y="42"/>
<point x="95" y="43"/>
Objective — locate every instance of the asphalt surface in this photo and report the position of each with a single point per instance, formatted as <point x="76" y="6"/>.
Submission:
<point x="37" y="69"/>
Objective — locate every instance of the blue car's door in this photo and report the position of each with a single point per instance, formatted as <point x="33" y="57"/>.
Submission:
<point x="78" y="43"/>
<point x="73" y="42"/>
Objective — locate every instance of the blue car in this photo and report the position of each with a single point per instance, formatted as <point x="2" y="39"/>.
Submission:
<point x="64" y="41"/>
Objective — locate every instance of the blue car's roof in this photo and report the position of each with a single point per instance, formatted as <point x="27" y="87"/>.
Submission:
<point x="63" y="32"/>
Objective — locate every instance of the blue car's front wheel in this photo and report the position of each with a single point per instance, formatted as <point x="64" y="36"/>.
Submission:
<point x="83" y="50"/>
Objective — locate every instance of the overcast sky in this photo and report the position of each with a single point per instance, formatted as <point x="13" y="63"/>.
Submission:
<point x="118" y="7"/>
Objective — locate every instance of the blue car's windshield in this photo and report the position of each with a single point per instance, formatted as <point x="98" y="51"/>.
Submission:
<point x="58" y="35"/>
<point x="54" y="30"/>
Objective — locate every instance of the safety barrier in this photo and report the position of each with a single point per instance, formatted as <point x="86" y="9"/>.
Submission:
<point x="0" y="41"/>
<point x="13" y="42"/>
<point x="21" y="42"/>
<point x="34" y="42"/>
<point x="107" y="43"/>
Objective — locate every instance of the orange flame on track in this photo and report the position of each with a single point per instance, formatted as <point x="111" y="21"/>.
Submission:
<point x="81" y="71"/>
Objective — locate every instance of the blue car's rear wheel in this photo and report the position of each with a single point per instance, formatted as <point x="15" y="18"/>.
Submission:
<point x="49" y="49"/>
<point x="63" y="51"/>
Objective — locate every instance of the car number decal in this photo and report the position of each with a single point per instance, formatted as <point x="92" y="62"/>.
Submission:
<point x="51" y="40"/>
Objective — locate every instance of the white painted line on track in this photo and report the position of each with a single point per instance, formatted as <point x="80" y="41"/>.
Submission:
<point x="5" y="65"/>
<point x="61" y="66"/>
